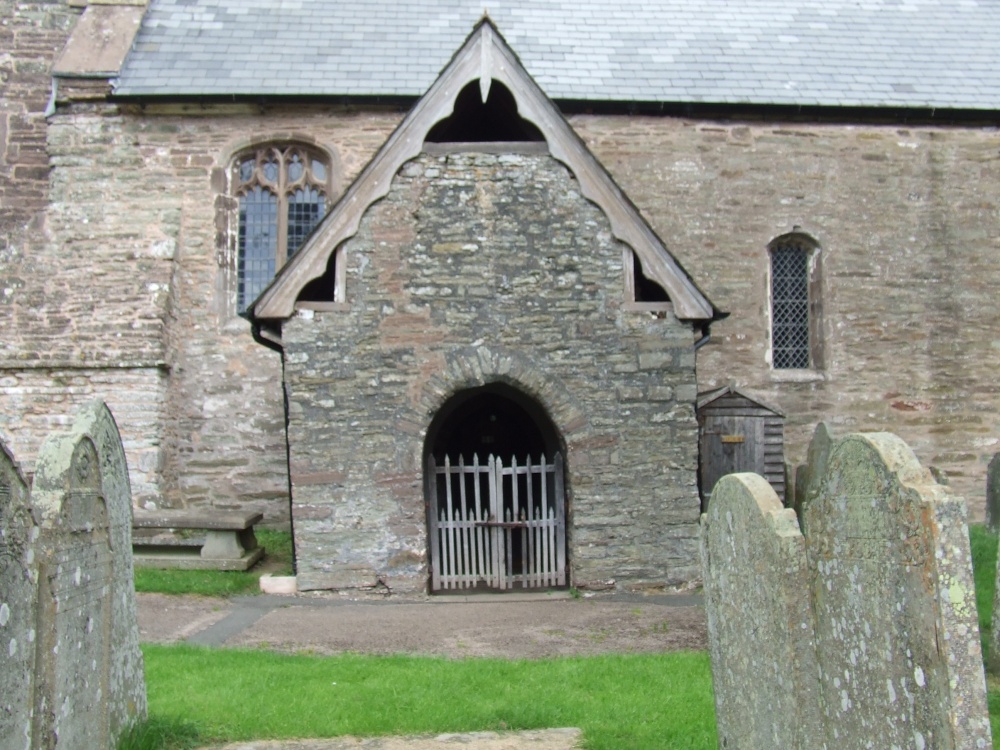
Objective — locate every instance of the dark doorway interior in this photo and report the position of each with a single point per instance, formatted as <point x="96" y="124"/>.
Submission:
<point x="492" y="420"/>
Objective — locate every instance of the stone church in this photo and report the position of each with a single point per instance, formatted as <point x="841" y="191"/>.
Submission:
<point x="443" y="288"/>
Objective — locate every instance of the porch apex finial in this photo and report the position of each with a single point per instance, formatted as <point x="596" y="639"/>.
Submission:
<point x="486" y="62"/>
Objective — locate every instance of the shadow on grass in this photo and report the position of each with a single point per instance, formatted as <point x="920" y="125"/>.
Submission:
<point x="161" y="734"/>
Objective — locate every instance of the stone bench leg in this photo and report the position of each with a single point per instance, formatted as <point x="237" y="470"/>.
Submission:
<point x="228" y="545"/>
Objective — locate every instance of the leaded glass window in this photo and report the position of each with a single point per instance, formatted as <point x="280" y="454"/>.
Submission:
<point x="258" y="242"/>
<point x="305" y="208"/>
<point x="282" y="192"/>
<point x="790" y="345"/>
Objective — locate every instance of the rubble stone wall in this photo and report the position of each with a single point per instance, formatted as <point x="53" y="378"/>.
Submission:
<point x="908" y="240"/>
<point x="485" y="268"/>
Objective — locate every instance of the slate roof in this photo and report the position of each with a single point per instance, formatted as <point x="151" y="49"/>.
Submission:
<point x="938" y="54"/>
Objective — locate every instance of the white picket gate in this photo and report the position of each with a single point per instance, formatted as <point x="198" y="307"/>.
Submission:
<point x="497" y="526"/>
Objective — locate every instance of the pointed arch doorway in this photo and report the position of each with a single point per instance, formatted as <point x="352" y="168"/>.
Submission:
<point x="495" y="493"/>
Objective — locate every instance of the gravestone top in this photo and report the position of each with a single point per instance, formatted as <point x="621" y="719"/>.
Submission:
<point x="889" y="620"/>
<point x="809" y="475"/>
<point x="16" y="521"/>
<point x="63" y="465"/>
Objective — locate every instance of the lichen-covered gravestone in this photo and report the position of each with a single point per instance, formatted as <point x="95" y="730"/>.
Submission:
<point x="89" y="670"/>
<point x="764" y="674"/>
<point x="883" y="650"/>
<point x="18" y="581"/>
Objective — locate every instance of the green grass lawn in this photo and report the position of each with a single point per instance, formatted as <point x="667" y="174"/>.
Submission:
<point x="627" y="701"/>
<point x="984" y="566"/>
<point x="621" y="702"/>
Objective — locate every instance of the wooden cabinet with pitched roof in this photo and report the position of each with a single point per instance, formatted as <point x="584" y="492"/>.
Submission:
<point x="737" y="433"/>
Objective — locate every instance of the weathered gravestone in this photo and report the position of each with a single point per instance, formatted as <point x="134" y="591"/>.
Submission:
<point x="860" y="634"/>
<point x="993" y="494"/>
<point x="18" y="582"/>
<point x="754" y="560"/>
<point x="809" y="475"/>
<point x="89" y="684"/>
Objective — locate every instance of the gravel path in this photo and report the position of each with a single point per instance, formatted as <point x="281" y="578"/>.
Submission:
<point x="513" y="627"/>
<point x="517" y="626"/>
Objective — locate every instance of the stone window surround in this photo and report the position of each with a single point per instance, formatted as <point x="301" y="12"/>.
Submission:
<point x="815" y="370"/>
<point x="227" y="183"/>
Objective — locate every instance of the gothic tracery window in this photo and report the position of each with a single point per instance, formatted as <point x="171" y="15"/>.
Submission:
<point x="283" y="192"/>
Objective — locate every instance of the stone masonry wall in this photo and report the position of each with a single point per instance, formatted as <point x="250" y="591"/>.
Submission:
<point x="131" y="265"/>
<point x="31" y="35"/>
<point x="480" y="268"/>
<point x="36" y="403"/>
<point x="136" y="303"/>
<point x="909" y="237"/>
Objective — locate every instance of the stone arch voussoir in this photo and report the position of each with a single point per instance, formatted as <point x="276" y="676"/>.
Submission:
<point x="473" y="367"/>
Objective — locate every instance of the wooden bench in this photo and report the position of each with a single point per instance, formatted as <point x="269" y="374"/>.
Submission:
<point x="194" y="539"/>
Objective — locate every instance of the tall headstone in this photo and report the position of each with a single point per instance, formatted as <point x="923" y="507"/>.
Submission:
<point x="894" y="601"/>
<point x="766" y="693"/>
<point x="89" y="670"/>
<point x="891" y="618"/>
<point x="18" y="582"/>
<point x="993" y="494"/>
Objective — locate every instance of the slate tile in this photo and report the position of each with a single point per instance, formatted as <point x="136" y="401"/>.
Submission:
<point x="712" y="45"/>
